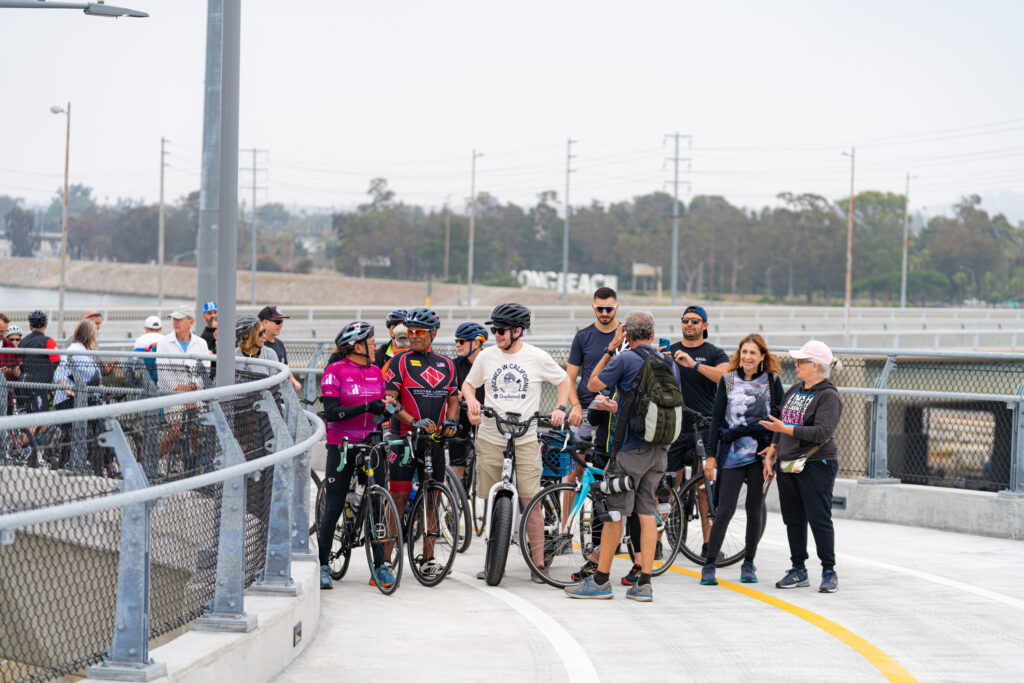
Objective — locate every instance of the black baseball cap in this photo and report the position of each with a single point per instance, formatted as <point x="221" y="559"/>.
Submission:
<point x="699" y="310"/>
<point x="271" y="313"/>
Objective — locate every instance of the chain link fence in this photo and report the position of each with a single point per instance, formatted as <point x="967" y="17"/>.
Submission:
<point x="59" y="579"/>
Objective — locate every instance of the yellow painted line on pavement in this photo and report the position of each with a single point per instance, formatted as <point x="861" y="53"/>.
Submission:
<point x="888" y="666"/>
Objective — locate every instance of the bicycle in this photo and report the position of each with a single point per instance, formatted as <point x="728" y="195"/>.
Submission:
<point x="431" y="517"/>
<point x="698" y="511"/>
<point x="502" y="510"/>
<point x="574" y="513"/>
<point x="370" y="517"/>
<point x="476" y="510"/>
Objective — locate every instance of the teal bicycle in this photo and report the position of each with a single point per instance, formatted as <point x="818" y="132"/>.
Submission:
<point x="574" y="514"/>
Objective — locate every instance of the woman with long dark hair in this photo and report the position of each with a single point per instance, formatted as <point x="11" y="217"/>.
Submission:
<point x="749" y="391"/>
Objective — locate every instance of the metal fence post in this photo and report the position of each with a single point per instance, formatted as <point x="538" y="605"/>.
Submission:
<point x="299" y="425"/>
<point x="226" y="612"/>
<point x="128" y="658"/>
<point x="1016" y="489"/>
<point x="878" y="448"/>
<point x="277" y="570"/>
<point x="3" y="411"/>
<point x="309" y="379"/>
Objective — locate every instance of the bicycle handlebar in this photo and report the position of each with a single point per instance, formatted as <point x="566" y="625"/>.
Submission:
<point x="512" y="424"/>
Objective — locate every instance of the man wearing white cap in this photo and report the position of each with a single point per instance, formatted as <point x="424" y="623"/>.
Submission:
<point x="154" y="333"/>
<point x="181" y="375"/>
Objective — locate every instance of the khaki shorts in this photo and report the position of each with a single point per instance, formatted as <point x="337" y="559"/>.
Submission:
<point x="488" y="467"/>
<point x="644" y="465"/>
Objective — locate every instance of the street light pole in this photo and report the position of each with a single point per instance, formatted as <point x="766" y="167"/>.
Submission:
<point x="160" y="223"/>
<point x="849" y="245"/>
<point x="565" y="235"/>
<point x="64" y="220"/>
<point x="906" y="239"/>
<point x="472" y="228"/>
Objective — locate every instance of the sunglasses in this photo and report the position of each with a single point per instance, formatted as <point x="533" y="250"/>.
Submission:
<point x="606" y="309"/>
<point x="14" y="339"/>
<point x="417" y="332"/>
<point x="277" y="322"/>
<point x="499" y="330"/>
<point x="692" y="321"/>
<point x="262" y="332"/>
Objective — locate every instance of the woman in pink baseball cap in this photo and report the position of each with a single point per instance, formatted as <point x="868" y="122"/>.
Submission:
<point x="810" y="414"/>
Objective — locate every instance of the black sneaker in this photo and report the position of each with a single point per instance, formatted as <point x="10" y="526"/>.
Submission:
<point x="586" y="570"/>
<point x="632" y="576"/>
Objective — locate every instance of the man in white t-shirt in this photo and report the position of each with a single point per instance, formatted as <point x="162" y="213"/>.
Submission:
<point x="511" y="374"/>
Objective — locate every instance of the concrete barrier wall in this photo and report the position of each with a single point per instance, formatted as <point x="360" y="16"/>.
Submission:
<point x="969" y="512"/>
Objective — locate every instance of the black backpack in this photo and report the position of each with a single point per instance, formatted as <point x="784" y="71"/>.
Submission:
<point x="653" y="406"/>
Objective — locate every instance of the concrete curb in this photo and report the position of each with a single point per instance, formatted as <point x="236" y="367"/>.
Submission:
<point x="261" y="654"/>
<point x="969" y="512"/>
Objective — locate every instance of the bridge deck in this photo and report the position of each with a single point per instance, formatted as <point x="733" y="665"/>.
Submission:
<point x="912" y="604"/>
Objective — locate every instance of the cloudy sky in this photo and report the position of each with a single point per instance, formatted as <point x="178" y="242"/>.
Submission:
<point x="341" y="92"/>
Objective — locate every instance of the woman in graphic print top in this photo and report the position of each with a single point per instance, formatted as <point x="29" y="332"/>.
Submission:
<point x="810" y="414"/>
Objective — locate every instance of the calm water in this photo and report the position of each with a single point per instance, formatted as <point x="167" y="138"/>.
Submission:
<point x="22" y="297"/>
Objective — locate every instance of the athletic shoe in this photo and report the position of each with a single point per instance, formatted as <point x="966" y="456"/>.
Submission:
<point x="537" y="579"/>
<point x="482" y="574"/>
<point x="325" y="578"/>
<point x="632" y="576"/>
<point x="385" y="576"/>
<point x="589" y="589"/>
<point x="829" y="582"/>
<point x="431" y="568"/>
<point x="640" y="593"/>
<point x="707" y="576"/>
<point x="748" y="572"/>
<point x="586" y="570"/>
<point x="796" y="577"/>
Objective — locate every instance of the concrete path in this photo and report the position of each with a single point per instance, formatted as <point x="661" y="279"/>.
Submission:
<point x="913" y="604"/>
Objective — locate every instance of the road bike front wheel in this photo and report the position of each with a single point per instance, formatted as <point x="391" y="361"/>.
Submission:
<point x="498" y="540"/>
<point x="319" y="506"/>
<point x="382" y="536"/>
<point x="465" y="521"/>
<point x="433" y="534"/>
<point x="341" y="543"/>
<point x="568" y="537"/>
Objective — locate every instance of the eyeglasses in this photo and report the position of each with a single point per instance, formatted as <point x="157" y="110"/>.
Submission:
<point x="802" y="360"/>
<point x="606" y="309"/>
<point x="417" y="332"/>
<point x="462" y="341"/>
<point x="692" y="321"/>
<point x="499" y="330"/>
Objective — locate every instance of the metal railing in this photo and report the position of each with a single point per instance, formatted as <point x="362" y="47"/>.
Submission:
<point x="177" y="503"/>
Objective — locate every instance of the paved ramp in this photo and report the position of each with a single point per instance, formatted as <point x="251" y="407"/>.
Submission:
<point x="913" y="604"/>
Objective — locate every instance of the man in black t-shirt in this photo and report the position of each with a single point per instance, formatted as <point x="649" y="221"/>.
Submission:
<point x="701" y="366"/>
<point x="272" y="320"/>
<point x="588" y="346"/>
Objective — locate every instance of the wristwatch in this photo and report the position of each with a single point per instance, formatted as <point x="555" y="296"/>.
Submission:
<point x="561" y="407"/>
<point x="610" y="352"/>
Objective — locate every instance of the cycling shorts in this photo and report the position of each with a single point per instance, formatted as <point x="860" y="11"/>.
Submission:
<point x="401" y="476"/>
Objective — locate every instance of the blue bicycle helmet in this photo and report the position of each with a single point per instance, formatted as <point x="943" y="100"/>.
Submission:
<point x="471" y="331"/>
<point x="396" y="317"/>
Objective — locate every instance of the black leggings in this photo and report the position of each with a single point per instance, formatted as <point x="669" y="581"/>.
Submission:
<point x="728" y="489"/>
<point x="335" y="492"/>
<point x="806" y="500"/>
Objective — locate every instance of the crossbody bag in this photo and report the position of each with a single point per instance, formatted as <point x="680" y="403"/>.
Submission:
<point x="796" y="466"/>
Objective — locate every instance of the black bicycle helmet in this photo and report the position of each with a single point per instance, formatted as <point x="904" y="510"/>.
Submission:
<point x="37" y="319"/>
<point x="352" y="334"/>
<point x="510" y="315"/>
<point x="396" y="317"/>
<point x="423" y="317"/>
<point x="471" y="331"/>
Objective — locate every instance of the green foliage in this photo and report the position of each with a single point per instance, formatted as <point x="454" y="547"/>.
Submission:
<point x="18" y="224"/>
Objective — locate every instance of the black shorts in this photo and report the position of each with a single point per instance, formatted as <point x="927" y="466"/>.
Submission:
<point x="683" y="451"/>
<point x="401" y="476"/>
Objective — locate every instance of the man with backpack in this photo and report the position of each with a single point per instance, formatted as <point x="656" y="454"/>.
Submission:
<point x="649" y="418"/>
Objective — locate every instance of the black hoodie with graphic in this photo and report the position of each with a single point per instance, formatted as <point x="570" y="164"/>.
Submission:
<point x="814" y="414"/>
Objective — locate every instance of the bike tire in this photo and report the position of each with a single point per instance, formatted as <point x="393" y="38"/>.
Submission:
<point x="21" y="448"/>
<point x="479" y="505"/>
<point x="438" y="498"/>
<point x="315" y="526"/>
<point x="341" y="544"/>
<point x="734" y="545"/>
<point x="454" y="483"/>
<point x="499" y="540"/>
<point x="670" y="535"/>
<point x="381" y="527"/>
<point x="567" y="542"/>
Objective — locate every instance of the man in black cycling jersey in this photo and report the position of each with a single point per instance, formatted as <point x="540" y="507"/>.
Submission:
<point x="38" y="368"/>
<point x="469" y="339"/>
<point x="423" y="383"/>
<point x="386" y="351"/>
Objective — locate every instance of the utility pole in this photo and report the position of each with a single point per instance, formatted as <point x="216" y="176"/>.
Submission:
<point x="207" y="242"/>
<point x="906" y="239"/>
<point x="447" y="236"/>
<point x="252" y="259"/>
<point x="675" y="213"/>
<point x="565" y="233"/>
<point x="64" y="225"/>
<point x="849" y="245"/>
<point x="160" y="224"/>
<point x="472" y="227"/>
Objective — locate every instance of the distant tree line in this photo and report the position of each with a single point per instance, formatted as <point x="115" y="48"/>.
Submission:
<point x="797" y="247"/>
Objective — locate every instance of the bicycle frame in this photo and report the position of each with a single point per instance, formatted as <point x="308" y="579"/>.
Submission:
<point x="512" y="428"/>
